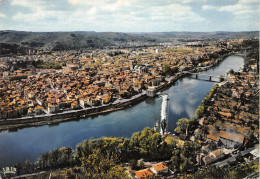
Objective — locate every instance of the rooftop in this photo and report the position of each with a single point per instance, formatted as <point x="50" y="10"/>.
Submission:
<point x="144" y="173"/>
<point x="160" y="166"/>
<point x="231" y="136"/>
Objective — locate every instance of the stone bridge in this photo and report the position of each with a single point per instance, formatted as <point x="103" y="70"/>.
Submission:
<point x="207" y="75"/>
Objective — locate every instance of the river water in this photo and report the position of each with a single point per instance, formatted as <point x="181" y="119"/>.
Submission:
<point x="185" y="96"/>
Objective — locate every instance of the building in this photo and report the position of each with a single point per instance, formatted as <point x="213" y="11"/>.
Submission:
<point x="214" y="156"/>
<point x="159" y="168"/>
<point x="6" y="74"/>
<point x="229" y="140"/>
<point x="9" y="172"/>
<point x="51" y="109"/>
<point x="83" y="102"/>
<point x="213" y="137"/>
<point x="255" y="153"/>
<point x="38" y="109"/>
<point x="150" y="91"/>
<point x="143" y="173"/>
<point x="74" y="105"/>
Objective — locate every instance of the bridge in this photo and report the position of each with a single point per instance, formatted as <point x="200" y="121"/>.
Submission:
<point x="207" y="75"/>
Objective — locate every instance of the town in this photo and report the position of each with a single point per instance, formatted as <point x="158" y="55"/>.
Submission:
<point x="114" y="89"/>
<point x="224" y="132"/>
<point x="44" y="83"/>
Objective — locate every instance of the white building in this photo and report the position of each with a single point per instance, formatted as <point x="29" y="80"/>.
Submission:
<point x="150" y="91"/>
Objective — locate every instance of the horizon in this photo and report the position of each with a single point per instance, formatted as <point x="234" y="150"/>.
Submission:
<point x="132" y="32"/>
<point x="131" y="16"/>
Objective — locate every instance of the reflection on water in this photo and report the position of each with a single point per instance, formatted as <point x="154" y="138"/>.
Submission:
<point x="185" y="96"/>
<point x="150" y="101"/>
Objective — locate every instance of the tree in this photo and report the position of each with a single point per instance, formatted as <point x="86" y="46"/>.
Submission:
<point x="231" y="71"/>
<point x="221" y="78"/>
<point x="18" y="168"/>
<point x="176" y="160"/>
<point x="239" y="158"/>
<point x="177" y="130"/>
<point x="43" y="160"/>
<point x="155" y="141"/>
<point x="96" y="165"/>
<point x="166" y="69"/>
<point x="163" y="125"/>
<point x="198" y="135"/>
<point x="140" y="163"/>
<point x="251" y="139"/>
<point x="145" y="145"/>
<point x="199" y="112"/>
<point x="84" y="149"/>
<point x="27" y="166"/>
<point x="211" y="172"/>
<point x="183" y="123"/>
<point x="116" y="172"/>
<point x="123" y="149"/>
<point x="187" y="165"/>
<point x="66" y="153"/>
<point x="133" y="163"/>
<point x="243" y="98"/>
<point x="54" y="158"/>
<point x="190" y="149"/>
<point x="205" y="130"/>
<point x="193" y="122"/>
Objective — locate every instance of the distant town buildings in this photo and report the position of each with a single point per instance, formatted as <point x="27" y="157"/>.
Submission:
<point x="76" y="80"/>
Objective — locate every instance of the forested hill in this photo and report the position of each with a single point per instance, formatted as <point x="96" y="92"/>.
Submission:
<point x="90" y="39"/>
<point x="70" y="40"/>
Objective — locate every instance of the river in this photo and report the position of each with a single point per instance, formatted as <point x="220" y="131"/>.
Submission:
<point x="185" y="96"/>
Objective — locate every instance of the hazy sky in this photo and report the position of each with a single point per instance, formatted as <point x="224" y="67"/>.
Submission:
<point x="129" y="15"/>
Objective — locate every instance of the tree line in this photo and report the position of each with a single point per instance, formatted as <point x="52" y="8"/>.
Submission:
<point x="186" y="126"/>
<point x="214" y="172"/>
<point x="103" y="158"/>
<point x="48" y="64"/>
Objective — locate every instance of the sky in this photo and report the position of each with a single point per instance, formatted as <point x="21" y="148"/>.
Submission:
<point x="129" y="15"/>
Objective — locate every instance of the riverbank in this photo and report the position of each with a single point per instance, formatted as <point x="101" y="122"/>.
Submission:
<point x="54" y="119"/>
<point x="236" y="105"/>
<point x="178" y="76"/>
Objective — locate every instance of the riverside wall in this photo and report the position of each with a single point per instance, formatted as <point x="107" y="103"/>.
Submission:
<point x="69" y="115"/>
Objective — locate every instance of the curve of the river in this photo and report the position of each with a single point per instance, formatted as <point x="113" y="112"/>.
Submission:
<point x="185" y="96"/>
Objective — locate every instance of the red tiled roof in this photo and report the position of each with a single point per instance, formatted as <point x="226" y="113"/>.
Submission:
<point x="144" y="173"/>
<point x="213" y="136"/>
<point x="231" y="136"/>
<point x="160" y="166"/>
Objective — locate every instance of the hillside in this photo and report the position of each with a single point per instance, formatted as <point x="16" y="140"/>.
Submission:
<point x="69" y="40"/>
<point x="92" y="40"/>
